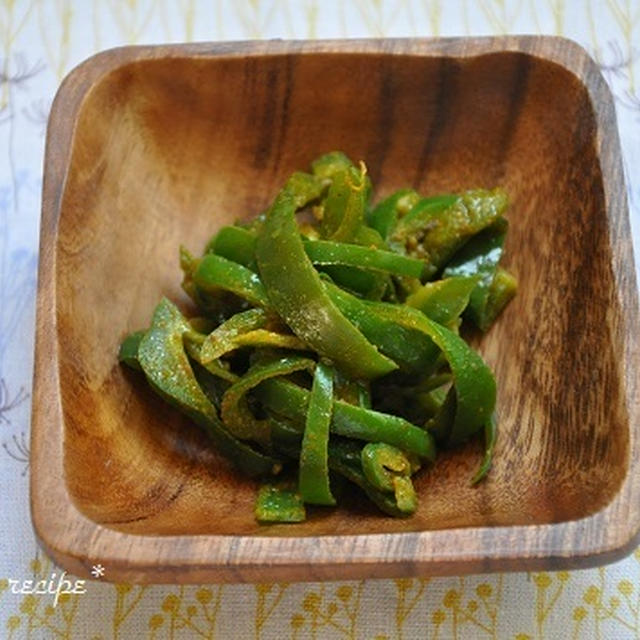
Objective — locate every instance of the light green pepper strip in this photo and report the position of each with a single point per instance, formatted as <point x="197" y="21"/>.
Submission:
<point x="443" y="300"/>
<point x="286" y="399"/>
<point x="387" y="212"/>
<point x="234" y="409"/>
<point x="215" y="272"/>
<point x="167" y="368"/>
<point x="297" y="294"/>
<point x="278" y="503"/>
<point x="223" y="339"/>
<point x="345" y="204"/>
<point x="389" y="470"/>
<point x="474" y="384"/>
<point x="326" y="252"/>
<point x="490" y="437"/>
<point x="128" y="353"/>
<point x="313" y="479"/>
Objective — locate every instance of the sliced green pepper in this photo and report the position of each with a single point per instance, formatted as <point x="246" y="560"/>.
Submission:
<point x="279" y="503"/>
<point x="214" y="272"/>
<point x="344" y="207"/>
<point x="290" y="401"/>
<point x="386" y="213"/>
<point x="410" y="349"/>
<point x="235" y="411"/>
<point x="224" y="338"/>
<point x="167" y="368"/>
<point x="479" y="258"/>
<point x="443" y="300"/>
<point x="313" y="481"/>
<point x="324" y="252"/>
<point x="502" y="290"/>
<point x="389" y="470"/>
<point x="234" y="243"/>
<point x="474" y="390"/>
<point x="436" y="231"/>
<point x="296" y="293"/>
<point x="490" y="437"/>
<point x="128" y="353"/>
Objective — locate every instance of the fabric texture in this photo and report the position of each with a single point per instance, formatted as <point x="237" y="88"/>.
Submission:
<point x="41" y="40"/>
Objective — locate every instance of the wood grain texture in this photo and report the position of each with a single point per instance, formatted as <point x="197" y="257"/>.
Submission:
<point x="150" y="147"/>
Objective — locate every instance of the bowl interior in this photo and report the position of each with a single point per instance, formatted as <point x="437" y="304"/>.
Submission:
<point x="165" y="151"/>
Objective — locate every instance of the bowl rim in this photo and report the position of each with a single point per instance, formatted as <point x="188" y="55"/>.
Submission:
<point x="76" y="542"/>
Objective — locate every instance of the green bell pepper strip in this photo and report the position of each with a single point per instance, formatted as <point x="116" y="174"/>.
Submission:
<point x="490" y="437"/>
<point x="344" y="459"/>
<point x="234" y="410"/>
<point x="436" y="232"/>
<point x="386" y="213"/>
<point x="215" y="272"/>
<point x="443" y="300"/>
<point x="128" y="353"/>
<point x="479" y="258"/>
<point x="502" y="290"/>
<point x="409" y="348"/>
<point x="325" y="252"/>
<point x="277" y="503"/>
<point x="389" y="470"/>
<point x="264" y="338"/>
<point x="474" y="385"/>
<point x="167" y="368"/>
<point x="297" y="294"/>
<point x="313" y="478"/>
<point x="238" y="244"/>
<point x="344" y="206"/>
<point x="327" y="165"/>
<point x="223" y="339"/>
<point x="234" y="243"/>
<point x="288" y="400"/>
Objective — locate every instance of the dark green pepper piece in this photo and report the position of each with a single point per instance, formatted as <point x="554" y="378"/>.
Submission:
<point x="313" y="481"/>
<point x="502" y="290"/>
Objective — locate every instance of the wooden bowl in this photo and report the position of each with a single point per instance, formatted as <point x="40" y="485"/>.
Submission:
<point x="150" y="147"/>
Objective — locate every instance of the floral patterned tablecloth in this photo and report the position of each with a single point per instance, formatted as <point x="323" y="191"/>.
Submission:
<point x="41" y="40"/>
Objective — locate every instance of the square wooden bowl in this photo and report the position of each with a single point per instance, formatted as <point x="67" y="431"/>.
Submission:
<point x="150" y="147"/>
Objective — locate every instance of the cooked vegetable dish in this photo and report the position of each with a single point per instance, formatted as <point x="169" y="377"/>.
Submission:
<point x="326" y="346"/>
